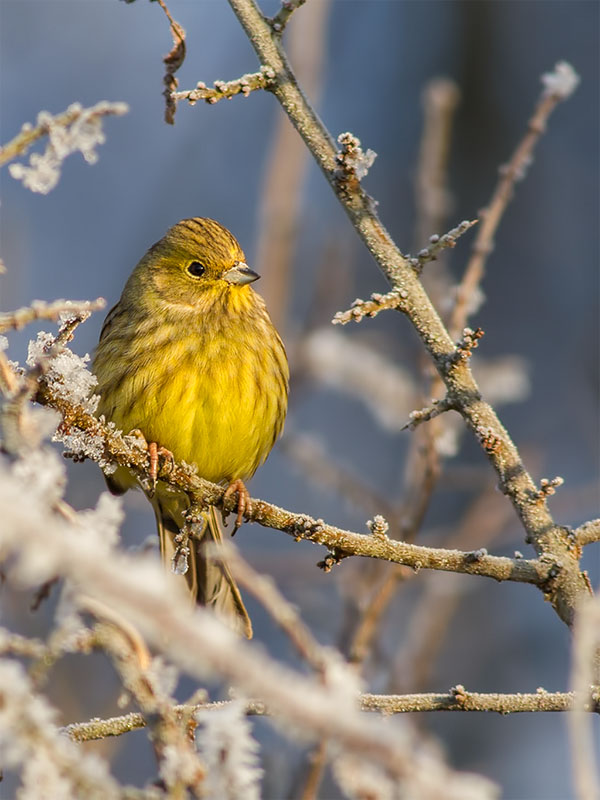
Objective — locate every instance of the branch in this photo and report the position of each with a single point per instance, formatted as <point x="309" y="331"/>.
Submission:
<point x="172" y="61"/>
<point x="588" y="532"/>
<point x="458" y="699"/>
<point x="39" y="309"/>
<point x="280" y="20"/>
<point x="112" y="446"/>
<point x="225" y="90"/>
<point x="542" y="532"/>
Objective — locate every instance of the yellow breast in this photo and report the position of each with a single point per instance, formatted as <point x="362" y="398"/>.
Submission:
<point x="209" y="384"/>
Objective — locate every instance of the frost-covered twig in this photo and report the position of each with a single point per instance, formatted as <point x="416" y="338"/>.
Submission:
<point x="151" y="682"/>
<point x="458" y="699"/>
<point x="75" y="129"/>
<point x="588" y="533"/>
<point x="370" y="308"/>
<point x="397" y="297"/>
<point x="436" y="408"/>
<point x="225" y="90"/>
<point x="558" y="86"/>
<point x="39" y="309"/>
<point x="438" y="243"/>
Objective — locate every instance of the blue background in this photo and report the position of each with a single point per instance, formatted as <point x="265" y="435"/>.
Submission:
<point x="83" y="239"/>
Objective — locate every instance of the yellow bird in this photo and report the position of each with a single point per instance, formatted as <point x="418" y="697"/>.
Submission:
<point x="190" y="357"/>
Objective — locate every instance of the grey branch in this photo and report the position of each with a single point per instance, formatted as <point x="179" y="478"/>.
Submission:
<point x="458" y="699"/>
<point x="546" y="536"/>
<point x="112" y="447"/>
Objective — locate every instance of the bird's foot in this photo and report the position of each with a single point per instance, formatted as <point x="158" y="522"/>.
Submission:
<point x="155" y="452"/>
<point x="243" y="505"/>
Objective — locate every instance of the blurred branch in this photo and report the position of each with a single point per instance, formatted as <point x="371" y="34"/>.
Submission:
<point x="432" y="196"/>
<point x="283" y="613"/>
<point x="279" y="212"/>
<point x="558" y="86"/>
<point x="147" y="597"/>
<point x="46" y="123"/>
<point x="585" y="683"/>
<point x="343" y="169"/>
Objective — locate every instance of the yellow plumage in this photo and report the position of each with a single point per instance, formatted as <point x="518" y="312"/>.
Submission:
<point x="190" y="357"/>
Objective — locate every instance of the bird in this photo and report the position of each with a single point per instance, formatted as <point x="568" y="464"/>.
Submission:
<point x="189" y="359"/>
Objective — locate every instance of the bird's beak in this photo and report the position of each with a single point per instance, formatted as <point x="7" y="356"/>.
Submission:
<point x="240" y="274"/>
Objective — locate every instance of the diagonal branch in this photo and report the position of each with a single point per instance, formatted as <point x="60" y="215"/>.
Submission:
<point x="542" y="532"/>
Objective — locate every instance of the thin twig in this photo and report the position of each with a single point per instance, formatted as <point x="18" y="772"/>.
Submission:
<point x="280" y="20"/>
<point x="30" y="134"/>
<point x="42" y="310"/>
<point x="225" y="90"/>
<point x="588" y="533"/>
<point x="172" y="61"/>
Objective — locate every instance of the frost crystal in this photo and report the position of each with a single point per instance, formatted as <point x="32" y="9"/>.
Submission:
<point x="42" y="476"/>
<point x="3" y="343"/>
<point x="104" y="520"/>
<point x="562" y="82"/>
<point x="66" y="372"/>
<point x="230" y="753"/>
<point x="83" y="134"/>
<point x="363" y="163"/>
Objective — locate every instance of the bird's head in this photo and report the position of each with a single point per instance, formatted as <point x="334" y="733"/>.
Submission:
<point x="197" y="259"/>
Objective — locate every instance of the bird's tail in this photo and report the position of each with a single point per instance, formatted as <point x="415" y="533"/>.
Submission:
<point x="210" y="583"/>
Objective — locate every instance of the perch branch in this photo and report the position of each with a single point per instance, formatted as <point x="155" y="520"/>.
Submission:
<point x="112" y="446"/>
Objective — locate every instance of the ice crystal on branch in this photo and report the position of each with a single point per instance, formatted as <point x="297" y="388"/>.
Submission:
<point x="65" y="371"/>
<point x="562" y="82"/>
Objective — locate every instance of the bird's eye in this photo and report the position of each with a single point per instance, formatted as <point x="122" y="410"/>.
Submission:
<point x="196" y="269"/>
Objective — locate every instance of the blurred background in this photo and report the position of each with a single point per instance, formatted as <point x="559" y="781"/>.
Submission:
<point x="368" y="65"/>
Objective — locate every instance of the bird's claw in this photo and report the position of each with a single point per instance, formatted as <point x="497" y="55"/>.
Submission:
<point x="243" y="504"/>
<point x="155" y="452"/>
